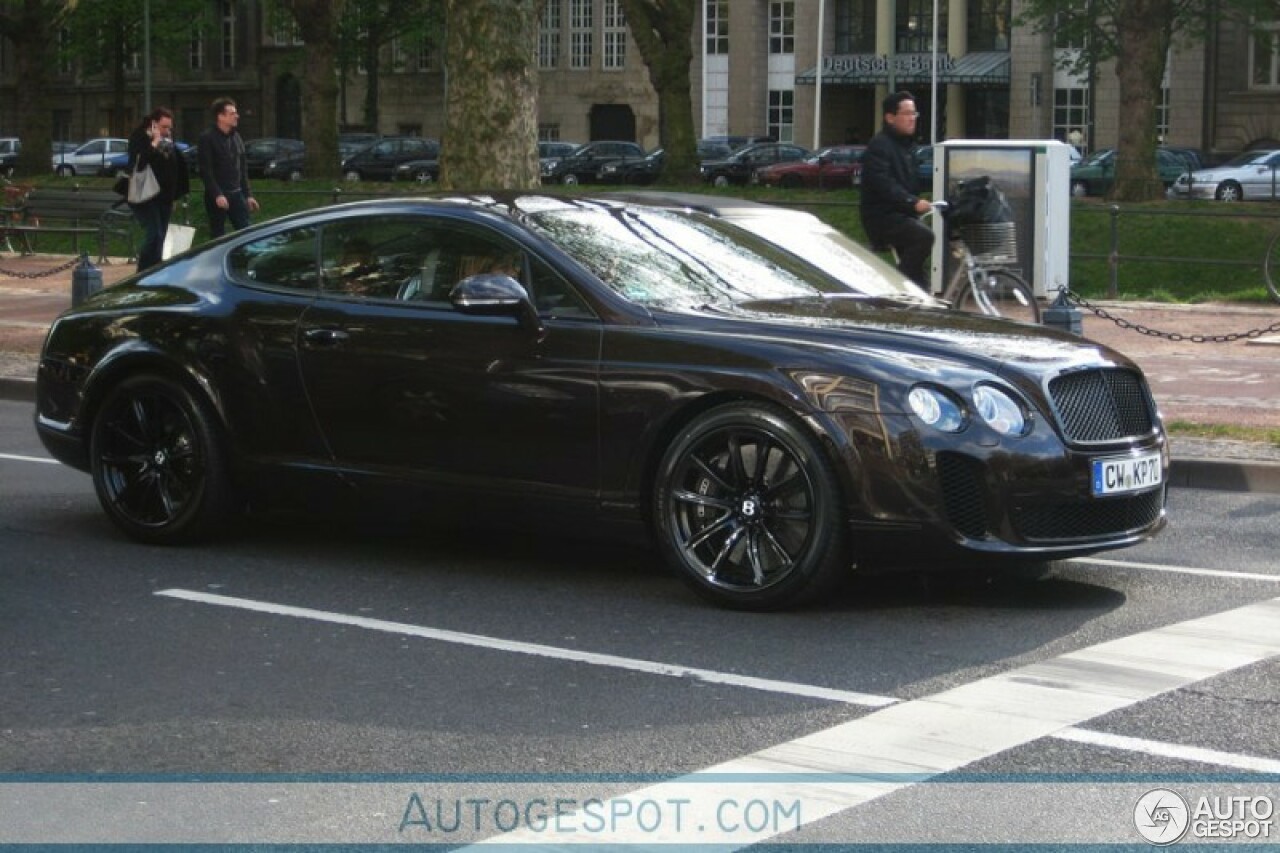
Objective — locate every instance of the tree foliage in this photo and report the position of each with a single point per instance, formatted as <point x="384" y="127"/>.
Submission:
<point x="32" y="26"/>
<point x="664" y="32"/>
<point x="491" y="104"/>
<point x="1137" y="34"/>
<point x="368" y="26"/>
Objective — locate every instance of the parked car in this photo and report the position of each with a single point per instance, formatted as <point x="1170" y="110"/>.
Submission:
<point x="554" y="150"/>
<point x="378" y="162"/>
<point x="1251" y="176"/>
<point x="740" y="166"/>
<point x="10" y="148"/>
<point x="583" y="164"/>
<point x="259" y="152"/>
<point x="421" y="171"/>
<point x="668" y="374"/>
<point x="735" y="141"/>
<point x="628" y="170"/>
<point x="91" y="158"/>
<point x="1096" y="174"/>
<point x="837" y="167"/>
<point x="350" y="143"/>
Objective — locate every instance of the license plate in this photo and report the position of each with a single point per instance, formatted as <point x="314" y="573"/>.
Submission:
<point x="1126" y="474"/>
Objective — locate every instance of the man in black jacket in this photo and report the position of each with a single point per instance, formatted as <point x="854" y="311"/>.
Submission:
<point x="224" y="171"/>
<point x="890" y="206"/>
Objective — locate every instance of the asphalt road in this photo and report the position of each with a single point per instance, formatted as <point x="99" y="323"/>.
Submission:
<point x="340" y="680"/>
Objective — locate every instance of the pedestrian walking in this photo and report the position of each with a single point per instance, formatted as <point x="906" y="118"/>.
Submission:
<point x="151" y="147"/>
<point x="227" y="194"/>
<point x="890" y="207"/>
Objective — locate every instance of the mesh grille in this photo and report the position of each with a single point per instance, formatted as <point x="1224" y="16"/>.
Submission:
<point x="1088" y="519"/>
<point x="1102" y="405"/>
<point x="992" y="243"/>
<point x="962" y="494"/>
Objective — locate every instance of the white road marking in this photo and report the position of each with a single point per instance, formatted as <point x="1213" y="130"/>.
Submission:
<point x="899" y="746"/>
<point x="1178" y="570"/>
<point x="13" y="457"/>
<point x="496" y="643"/>
<point x="1164" y="749"/>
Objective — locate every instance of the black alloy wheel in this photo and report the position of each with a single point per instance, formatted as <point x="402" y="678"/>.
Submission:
<point x="748" y="510"/>
<point x="157" y="462"/>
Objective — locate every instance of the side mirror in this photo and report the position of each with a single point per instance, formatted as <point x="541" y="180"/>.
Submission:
<point x="496" y="295"/>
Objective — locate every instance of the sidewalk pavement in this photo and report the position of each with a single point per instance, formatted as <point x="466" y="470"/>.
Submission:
<point x="1225" y="379"/>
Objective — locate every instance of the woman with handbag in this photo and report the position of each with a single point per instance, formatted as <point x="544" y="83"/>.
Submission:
<point x="159" y="178"/>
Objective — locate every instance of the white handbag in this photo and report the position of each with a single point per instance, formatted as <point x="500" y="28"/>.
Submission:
<point x="177" y="239"/>
<point x="143" y="185"/>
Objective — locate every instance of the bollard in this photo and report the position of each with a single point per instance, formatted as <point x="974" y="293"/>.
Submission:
<point x="1063" y="315"/>
<point x="86" y="280"/>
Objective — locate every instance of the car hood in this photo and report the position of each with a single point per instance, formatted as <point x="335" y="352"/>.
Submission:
<point x="928" y="337"/>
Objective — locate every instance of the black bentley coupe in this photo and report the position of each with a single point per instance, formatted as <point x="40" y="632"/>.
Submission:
<point x="769" y="425"/>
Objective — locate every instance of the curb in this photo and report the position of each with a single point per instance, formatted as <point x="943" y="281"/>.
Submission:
<point x="1218" y="475"/>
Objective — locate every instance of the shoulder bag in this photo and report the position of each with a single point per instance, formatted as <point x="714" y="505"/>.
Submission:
<point x="143" y="185"/>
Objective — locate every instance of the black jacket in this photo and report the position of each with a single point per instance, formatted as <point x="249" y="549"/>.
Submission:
<point x="169" y="167"/>
<point x="222" y="163"/>
<point x="889" y="177"/>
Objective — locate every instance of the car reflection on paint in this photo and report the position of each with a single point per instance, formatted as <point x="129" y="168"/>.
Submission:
<point x="622" y="365"/>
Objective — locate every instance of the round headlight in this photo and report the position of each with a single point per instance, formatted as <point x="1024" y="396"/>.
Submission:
<point x="936" y="409"/>
<point x="1001" y="412"/>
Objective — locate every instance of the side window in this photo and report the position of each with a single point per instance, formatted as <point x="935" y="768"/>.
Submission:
<point x="552" y="295"/>
<point x="287" y="260"/>
<point x="373" y="258"/>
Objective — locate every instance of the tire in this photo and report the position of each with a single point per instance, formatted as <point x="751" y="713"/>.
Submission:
<point x="570" y="180"/>
<point x="351" y="177"/>
<point x="1271" y="267"/>
<point x="422" y="176"/>
<point x="747" y="530"/>
<point x="1079" y="189"/>
<point x="294" y="175"/>
<point x="720" y="181"/>
<point x="1007" y="295"/>
<point x="791" y="182"/>
<point x="65" y="172"/>
<point x="1229" y="191"/>
<point x="158" y="462"/>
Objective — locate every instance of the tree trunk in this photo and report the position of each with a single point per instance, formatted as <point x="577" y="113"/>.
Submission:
<point x="32" y="33"/>
<point x="373" y="75"/>
<point x="664" y="33"/>
<point x="491" y="95"/>
<point x="318" y="24"/>
<point x="1140" y="63"/>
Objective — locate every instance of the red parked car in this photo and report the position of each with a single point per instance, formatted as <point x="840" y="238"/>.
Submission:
<point x="837" y="166"/>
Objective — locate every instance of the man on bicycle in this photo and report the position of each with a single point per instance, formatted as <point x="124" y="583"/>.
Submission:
<point x="890" y="207"/>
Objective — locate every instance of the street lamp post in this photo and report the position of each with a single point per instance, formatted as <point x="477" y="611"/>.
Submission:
<point x="146" y="56"/>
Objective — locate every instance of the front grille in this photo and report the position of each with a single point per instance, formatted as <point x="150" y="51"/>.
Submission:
<point x="963" y="494"/>
<point x="1102" y="405"/>
<point x="1088" y="519"/>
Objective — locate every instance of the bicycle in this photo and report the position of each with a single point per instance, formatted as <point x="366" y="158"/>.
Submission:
<point x="1271" y="267"/>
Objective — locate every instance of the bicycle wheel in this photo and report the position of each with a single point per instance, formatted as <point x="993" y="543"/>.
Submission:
<point x="1271" y="267"/>
<point x="1000" y="293"/>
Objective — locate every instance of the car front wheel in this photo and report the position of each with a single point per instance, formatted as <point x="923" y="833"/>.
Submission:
<point x="1229" y="191"/>
<point x="1079" y="189"/>
<point x="720" y="181"/>
<point x="570" y="180"/>
<point x="158" y="463"/>
<point x="747" y="509"/>
<point x="351" y="176"/>
<point x="65" y="172"/>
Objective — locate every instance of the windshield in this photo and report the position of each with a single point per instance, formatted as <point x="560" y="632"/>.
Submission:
<point x="1248" y="158"/>
<point x="1097" y="158"/>
<point x="672" y="259"/>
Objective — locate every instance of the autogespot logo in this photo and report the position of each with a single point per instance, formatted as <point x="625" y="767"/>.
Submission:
<point x="1161" y="816"/>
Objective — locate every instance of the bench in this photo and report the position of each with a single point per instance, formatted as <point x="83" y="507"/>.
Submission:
<point x="78" y="212"/>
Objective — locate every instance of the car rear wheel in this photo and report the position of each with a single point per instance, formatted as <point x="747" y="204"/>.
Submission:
<point x="422" y="176"/>
<point x="65" y="172"/>
<point x="158" y="463"/>
<point x="721" y="181"/>
<point x="748" y="511"/>
<point x="1229" y="191"/>
<point x="792" y="182"/>
<point x="1079" y="189"/>
<point x="351" y="176"/>
<point x="570" y="180"/>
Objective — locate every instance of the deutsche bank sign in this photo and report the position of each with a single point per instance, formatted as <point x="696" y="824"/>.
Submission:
<point x="859" y="64"/>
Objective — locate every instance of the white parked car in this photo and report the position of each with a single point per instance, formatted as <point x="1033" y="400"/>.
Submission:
<point x="91" y="158"/>
<point x="1252" y="176"/>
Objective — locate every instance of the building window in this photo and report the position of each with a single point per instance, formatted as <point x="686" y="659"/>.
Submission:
<point x="65" y="65"/>
<point x="782" y="27"/>
<point x="989" y="24"/>
<point x="855" y="26"/>
<point x="548" y="133"/>
<point x="195" y="49"/>
<point x="717" y="15"/>
<point x="549" y="35"/>
<point x="1264" y="61"/>
<point x="1071" y="116"/>
<point x="781" y="124"/>
<point x="915" y="26"/>
<point x="580" y="32"/>
<point x="1162" y="115"/>
<point x="615" y="35"/>
<point x="228" y="35"/>
<point x="286" y="32"/>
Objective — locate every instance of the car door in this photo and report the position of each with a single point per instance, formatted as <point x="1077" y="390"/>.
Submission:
<point x="1262" y="179"/>
<point x="403" y="383"/>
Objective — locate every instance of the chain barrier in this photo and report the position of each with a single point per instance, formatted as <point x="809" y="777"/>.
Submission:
<point x="41" y="273"/>
<point x="1098" y="310"/>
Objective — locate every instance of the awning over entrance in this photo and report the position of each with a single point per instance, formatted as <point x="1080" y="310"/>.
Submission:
<point x="982" y="68"/>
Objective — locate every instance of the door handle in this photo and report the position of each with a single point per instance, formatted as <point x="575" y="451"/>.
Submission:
<point x="325" y="337"/>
